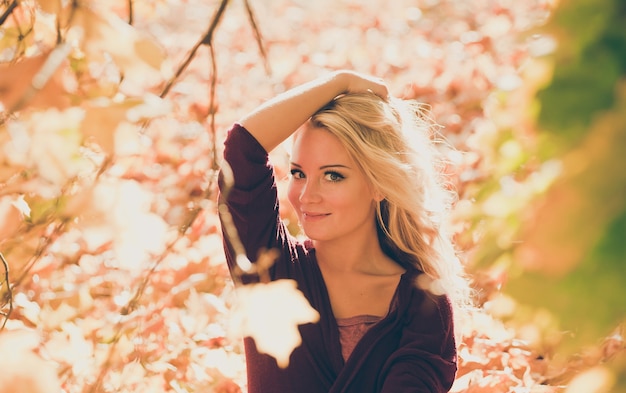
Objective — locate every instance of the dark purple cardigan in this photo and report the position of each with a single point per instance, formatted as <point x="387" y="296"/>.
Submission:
<point x="412" y="349"/>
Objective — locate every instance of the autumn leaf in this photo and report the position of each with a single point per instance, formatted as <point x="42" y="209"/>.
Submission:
<point x="110" y="123"/>
<point x="13" y="211"/>
<point x="101" y="122"/>
<point x="28" y="83"/>
<point x="49" y="6"/>
<point x="270" y="314"/>
<point x="103" y="33"/>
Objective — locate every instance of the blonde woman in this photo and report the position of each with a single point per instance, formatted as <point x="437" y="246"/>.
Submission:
<point x="376" y="263"/>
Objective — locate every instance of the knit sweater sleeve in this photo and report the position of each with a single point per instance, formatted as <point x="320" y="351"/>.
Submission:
<point x="425" y="361"/>
<point x="251" y="200"/>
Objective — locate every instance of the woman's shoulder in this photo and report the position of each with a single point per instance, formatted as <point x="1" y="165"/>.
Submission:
<point x="240" y="138"/>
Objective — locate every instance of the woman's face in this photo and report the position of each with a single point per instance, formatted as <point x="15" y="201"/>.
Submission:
<point x="328" y="191"/>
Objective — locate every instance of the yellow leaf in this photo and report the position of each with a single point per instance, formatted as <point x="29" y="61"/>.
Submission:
<point x="105" y="33"/>
<point x="55" y="144"/>
<point x="100" y="124"/>
<point x="107" y="122"/>
<point x="148" y="51"/>
<point x="49" y="6"/>
<point x="270" y="314"/>
<point x="150" y="106"/>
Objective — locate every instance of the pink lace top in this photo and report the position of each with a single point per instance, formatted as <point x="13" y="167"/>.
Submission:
<point x="352" y="329"/>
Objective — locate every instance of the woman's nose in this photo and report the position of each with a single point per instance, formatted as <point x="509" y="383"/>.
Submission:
<point x="310" y="192"/>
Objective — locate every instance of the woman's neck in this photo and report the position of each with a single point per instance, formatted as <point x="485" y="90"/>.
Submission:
<point x="365" y="257"/>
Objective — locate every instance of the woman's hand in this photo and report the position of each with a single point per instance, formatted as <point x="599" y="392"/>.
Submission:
<point x="360" y="83"/>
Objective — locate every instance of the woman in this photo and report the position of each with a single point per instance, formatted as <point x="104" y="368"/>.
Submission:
<point x="376" y="264"/>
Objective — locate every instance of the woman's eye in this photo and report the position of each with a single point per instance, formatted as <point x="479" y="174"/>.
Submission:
<point x="297" y="174"/>
<point x="333" y="176"/>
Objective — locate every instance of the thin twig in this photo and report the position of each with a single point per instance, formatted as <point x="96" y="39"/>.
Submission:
<point x="205" y="40"/>
<point x="57" y="26"/>
<point x="193" y="214"/>
<point x="47" y="242"/>
<point x="130" y="12"/>
<point x="8" y="12"/>
<point x="8" y="296"/>
<point x="212" y="106"/>
<point x="258" y="36"/>
<point x="208" y="37"/>
<point x="20" y="46"/>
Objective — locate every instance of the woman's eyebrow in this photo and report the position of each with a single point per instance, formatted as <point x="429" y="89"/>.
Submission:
<point x="334" y="166"/>
<point x="323" y="166"/>
<point x="329" y="166"/>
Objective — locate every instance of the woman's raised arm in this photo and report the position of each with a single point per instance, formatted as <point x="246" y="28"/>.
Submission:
<point x="276" y="119"/>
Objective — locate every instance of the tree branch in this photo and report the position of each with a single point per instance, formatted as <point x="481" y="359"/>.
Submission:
<point x="8" y="296"/>
<point x="131" y="12"/>
<point x="257" y="35"/>
<point x="212" y="107"/>
<point x="8" y="12"/>
<point x="208" y="37"/>
<point x="205" y="40"/>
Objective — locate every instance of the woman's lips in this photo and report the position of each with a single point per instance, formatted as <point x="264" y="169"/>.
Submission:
<point x="310" y="216"/>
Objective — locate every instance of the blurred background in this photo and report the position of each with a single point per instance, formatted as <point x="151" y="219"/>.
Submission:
<point x="113" y="115"/>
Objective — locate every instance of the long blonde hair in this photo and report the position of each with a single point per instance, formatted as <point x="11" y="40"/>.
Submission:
<point x="392" y="142"/>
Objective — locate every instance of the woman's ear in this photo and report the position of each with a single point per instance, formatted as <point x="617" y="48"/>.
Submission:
<point x="378" y="196"/>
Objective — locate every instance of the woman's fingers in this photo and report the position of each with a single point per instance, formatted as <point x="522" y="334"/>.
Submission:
<point x="361" y="83"/>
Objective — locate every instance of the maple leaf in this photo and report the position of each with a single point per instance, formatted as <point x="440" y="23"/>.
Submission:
<point x="270" y="314"/>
